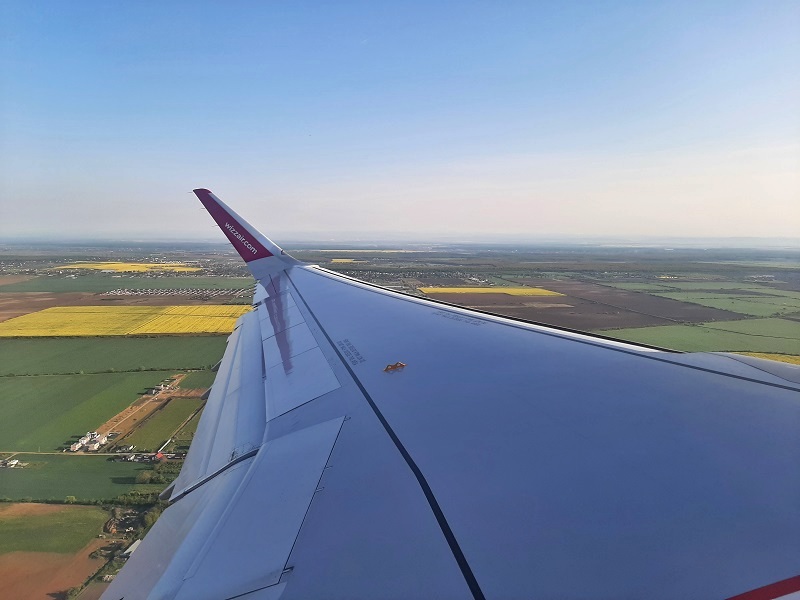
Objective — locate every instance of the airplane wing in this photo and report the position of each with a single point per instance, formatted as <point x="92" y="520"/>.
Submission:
<point x="362" y="443"/>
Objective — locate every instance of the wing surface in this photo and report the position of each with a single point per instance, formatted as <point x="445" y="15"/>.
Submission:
<point x="360" y="443"/>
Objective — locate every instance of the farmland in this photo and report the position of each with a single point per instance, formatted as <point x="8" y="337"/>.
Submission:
<point x="123" y="320"/>
<point x="43" y="412"/>
<point x="510" y="291"/>
<point x="198" y="379"/>
<point x="683" y="298"/>
<point x="53" y="356"/>
<point x="48" y="527"/>
<point x="99" y="283"/>
<point x="45" y="548"/>
<point x="184" y="437"/>
<point x="158" y="428"/>
<point x="53" y="477"/>
<point x="776" y="336"/>
<point x="130" y="267"/>
<point x="83" y="358"/>
<point x="586" y="306"/>
<point x="755" y="304"/>
<point x="16" y="304"/>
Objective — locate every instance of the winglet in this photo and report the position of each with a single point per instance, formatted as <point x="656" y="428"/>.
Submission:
<point x="262" y="255"/>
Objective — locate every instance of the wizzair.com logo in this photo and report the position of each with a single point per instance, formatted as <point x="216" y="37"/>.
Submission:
<point x="241" y="238"/>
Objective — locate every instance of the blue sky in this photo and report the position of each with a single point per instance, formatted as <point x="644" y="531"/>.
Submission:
<point x="428" y="119"/>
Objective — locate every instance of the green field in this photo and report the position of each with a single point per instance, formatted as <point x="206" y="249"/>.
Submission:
<point x="690" y="286"/>
<point x="183" y="438"/>
<point x="757" y="306"/>
<point x="39" y="356"/>
<point x="106" y="283"/>
<point x="782" y="293"/>
<point x="714" y="285"/>
<point x="158" y="428"/>
<point x="199" y="379"/>
<point x="65" y="531"/>
<point x="780" y="336"/>
<point x="56" y="476"/>
<point x="44" y="412"/>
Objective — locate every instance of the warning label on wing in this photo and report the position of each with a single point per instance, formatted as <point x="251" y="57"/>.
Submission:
<point x="350" y="352"/>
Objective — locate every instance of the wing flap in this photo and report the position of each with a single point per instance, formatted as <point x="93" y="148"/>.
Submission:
<point x="297" y="371"/>
<point x="287" y="344"/>
<point x="273" y="500"/>
<point x="234" y="418"/>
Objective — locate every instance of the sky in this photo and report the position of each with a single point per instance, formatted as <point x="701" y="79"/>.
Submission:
<point x="430" y="120"/>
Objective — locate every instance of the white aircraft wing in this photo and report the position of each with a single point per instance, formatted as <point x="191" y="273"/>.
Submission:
<point x="362" y="443"/>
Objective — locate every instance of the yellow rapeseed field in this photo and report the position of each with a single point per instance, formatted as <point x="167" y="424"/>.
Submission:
<point x="511" y="291"/>
<point x="123" y="320"/>
<point x="789" y="358"/>
<point x="124" y="267"/>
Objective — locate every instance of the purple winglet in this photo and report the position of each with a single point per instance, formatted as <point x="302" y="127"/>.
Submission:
<point x="246" y="244"/>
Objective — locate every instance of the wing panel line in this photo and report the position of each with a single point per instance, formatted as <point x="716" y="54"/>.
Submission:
<point x="458" y="554"/>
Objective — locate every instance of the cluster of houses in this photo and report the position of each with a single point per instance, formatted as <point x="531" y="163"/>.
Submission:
<point x="192" y="292"/>
<point x="92" y="441"/>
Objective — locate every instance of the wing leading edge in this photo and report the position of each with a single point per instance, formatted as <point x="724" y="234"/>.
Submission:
<point x="504" y="460"/>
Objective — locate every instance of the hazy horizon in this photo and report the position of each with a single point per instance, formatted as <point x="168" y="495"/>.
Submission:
<point x="400" y="239"/>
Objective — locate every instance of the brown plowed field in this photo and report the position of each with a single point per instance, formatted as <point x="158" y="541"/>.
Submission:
<point x="93" y="591"/>
<point x="587" y="306"/>
<point x="442" y="281"/>
<point x="44" y="575"/>
<point x="8" y="279"/>
<point x="8" y="510"/>
<point x="16" y="304"/>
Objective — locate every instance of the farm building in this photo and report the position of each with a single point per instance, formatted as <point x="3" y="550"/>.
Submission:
<point x="75" y="447"/>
